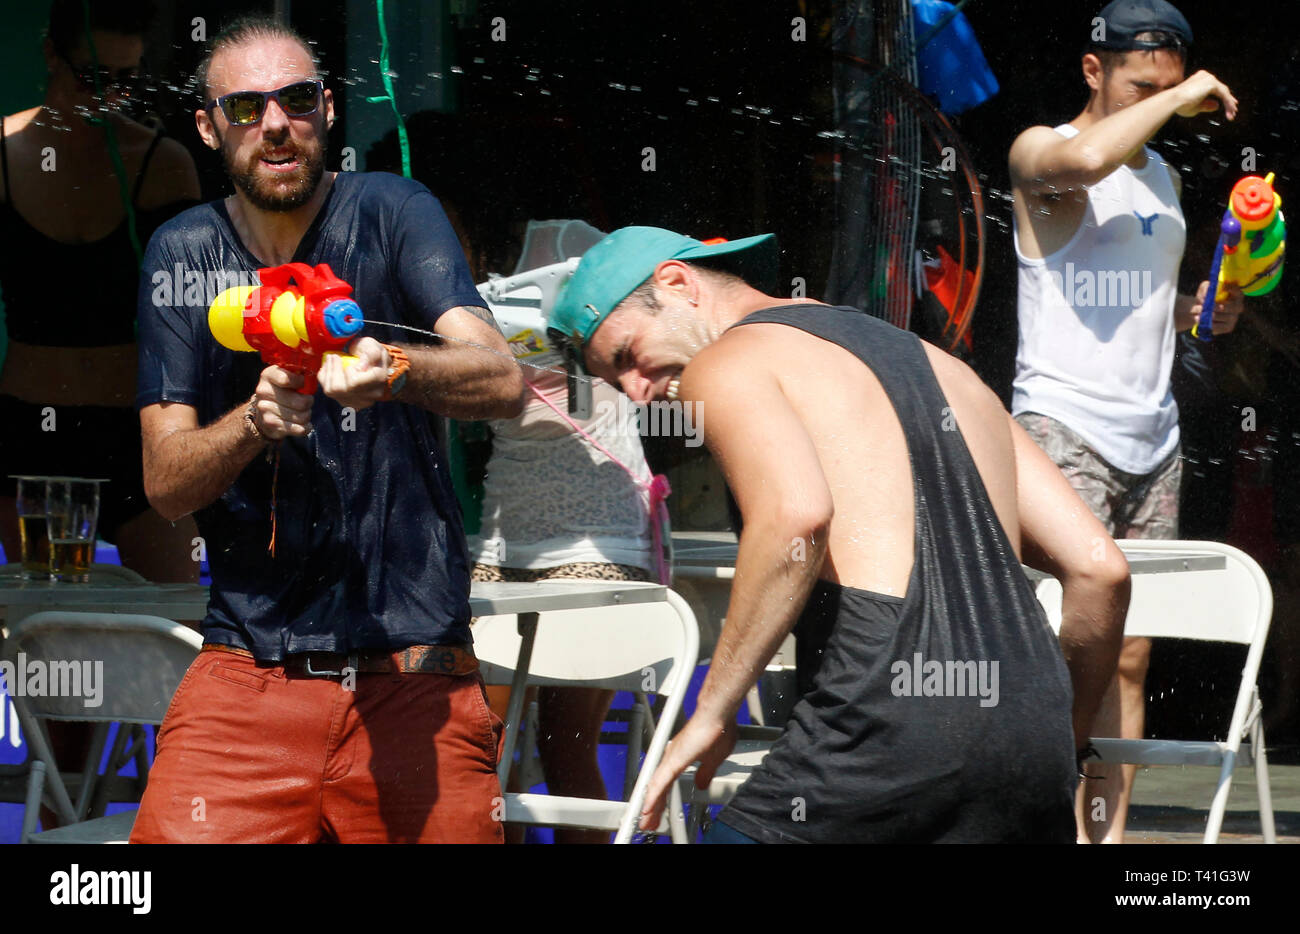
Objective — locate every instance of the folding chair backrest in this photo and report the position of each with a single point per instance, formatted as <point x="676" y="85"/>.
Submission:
<point x="1234" y="604"/>
<point x="625" y="648"/>
<point x="650" y="648"/>
<point x="98" y="666"/>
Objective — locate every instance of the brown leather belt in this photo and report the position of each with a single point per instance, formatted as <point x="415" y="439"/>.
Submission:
<point x="415" y="659"/>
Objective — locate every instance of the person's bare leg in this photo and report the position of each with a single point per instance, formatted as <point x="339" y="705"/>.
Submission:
<point x="1097" y="805"/>
<point x="569" y="726"/>
<point x="1134" y="659"/>
<point x="161" y="551"/>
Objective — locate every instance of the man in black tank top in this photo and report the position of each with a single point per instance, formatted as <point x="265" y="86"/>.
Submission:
<point x="947" y="711"/>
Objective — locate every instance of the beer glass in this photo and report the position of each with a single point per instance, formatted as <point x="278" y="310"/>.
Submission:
<point x="72" y="508"/>
<point x="33" y="527"/>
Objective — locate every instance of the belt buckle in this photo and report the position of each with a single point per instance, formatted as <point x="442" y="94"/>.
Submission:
<point x="353" y="665"/>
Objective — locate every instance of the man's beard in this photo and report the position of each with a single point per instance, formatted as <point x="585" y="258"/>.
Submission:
<point x="279" y="192"/>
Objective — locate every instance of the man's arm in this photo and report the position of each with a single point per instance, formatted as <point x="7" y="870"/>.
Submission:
<point x="1044" y="162"/>
<point x="787" y="508"/>
<point x="1059" y="535"/>
<point x="470" y="376"/>
<point x="187" y="467"/>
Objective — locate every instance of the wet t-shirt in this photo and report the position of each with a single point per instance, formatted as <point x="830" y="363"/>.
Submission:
<point x="369" y="547"/>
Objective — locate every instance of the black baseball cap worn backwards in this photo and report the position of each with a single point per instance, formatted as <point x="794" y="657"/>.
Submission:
<point x="1124" y="20"/>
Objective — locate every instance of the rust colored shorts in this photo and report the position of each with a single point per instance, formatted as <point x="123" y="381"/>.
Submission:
<point x="248" y="753"/>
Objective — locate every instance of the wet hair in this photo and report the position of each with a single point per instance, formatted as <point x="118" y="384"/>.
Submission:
<point x="68" y="24"/>
<point x="644" y="297"/>
<point x="1167" y="41"/>
<point x="242" y="31"/>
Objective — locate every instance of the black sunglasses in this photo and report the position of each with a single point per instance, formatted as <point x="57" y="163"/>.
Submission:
<point x="124" y="80"/>
<point x="245" y="108"/>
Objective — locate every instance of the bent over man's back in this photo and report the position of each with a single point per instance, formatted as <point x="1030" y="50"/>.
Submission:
<point x="925" y="663"/>
<point x="887" y="500"/>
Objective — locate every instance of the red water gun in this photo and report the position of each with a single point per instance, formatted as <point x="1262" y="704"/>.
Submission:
<point x="294" y="318"/>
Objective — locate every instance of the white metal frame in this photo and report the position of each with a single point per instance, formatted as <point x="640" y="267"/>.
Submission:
<point x="1232" y="605"/>
<point x="614" y="647"/>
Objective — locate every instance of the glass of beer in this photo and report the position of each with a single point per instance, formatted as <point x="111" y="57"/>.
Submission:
<point x="33" y="527"/>
<point x="72" y="507"/>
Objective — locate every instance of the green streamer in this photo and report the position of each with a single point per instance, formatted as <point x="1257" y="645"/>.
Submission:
<point x="402" y="142"/>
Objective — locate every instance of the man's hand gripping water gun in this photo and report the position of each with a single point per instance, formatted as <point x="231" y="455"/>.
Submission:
<point x="1252" y="243"/>
<point x="301" y="320"/>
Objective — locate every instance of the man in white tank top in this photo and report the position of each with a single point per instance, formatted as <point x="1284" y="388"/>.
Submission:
<point x="1099" y="240"/>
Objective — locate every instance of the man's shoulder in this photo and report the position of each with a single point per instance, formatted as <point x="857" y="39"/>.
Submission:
<point x="1032" y="140"/>
<point x="758" y="342"/>
<point x="191" y="228"/>
<point x="380" y="188"/>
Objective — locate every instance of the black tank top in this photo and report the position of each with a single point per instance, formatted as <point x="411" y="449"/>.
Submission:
<point x="72" y="294"/>
<point x="905" y="730"/>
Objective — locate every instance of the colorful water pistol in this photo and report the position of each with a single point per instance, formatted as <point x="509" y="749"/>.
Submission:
<point x="294" y="318"/>
<point x="1251" y="247"/>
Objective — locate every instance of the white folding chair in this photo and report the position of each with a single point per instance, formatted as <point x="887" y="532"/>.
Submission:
<point x="1233" y="605"/>
<point x="650" y="648"/>
<point x="137" y="662"/>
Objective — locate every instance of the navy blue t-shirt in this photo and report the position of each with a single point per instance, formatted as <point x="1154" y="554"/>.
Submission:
<point x="369" y="546"/>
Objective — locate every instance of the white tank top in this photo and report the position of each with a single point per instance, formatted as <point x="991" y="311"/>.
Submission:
<point x="1097" y="319"/>
<point x="550" y="498"/>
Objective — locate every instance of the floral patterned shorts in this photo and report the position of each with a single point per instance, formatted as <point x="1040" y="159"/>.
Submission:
<point x="1129" y="505"/>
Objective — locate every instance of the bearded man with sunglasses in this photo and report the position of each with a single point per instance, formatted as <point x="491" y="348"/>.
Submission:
<point x="337" y="697"/>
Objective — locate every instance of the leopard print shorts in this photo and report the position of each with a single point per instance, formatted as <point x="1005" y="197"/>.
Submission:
<point x="581" y="570"/>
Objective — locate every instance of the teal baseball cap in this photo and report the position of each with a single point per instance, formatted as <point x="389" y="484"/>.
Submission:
<point x="612" y="269"/>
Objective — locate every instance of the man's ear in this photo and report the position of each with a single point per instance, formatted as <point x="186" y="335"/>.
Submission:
<point x="1093" y="74"/>
<point x="329" y="108"/>
<point x="674" y="276"/>
<point x="207" y="130"/>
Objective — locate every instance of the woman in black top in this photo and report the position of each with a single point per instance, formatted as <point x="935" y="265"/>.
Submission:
<point x="69" y="273"/>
